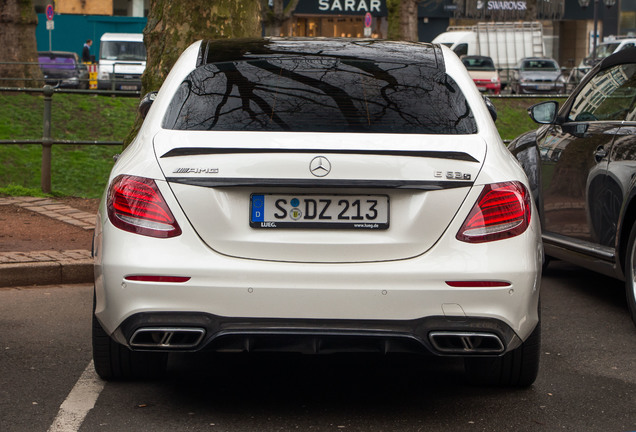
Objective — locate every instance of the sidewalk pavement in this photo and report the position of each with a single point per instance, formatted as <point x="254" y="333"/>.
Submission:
<point x="48" y="267"/>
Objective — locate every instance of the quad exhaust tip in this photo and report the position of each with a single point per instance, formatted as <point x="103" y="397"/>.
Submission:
<point x="445" y="342"/>
<point x="167" y="337"/>
<point x="448" y="342"/>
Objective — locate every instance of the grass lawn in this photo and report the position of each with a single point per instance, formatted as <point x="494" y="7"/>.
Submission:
<point x="75" y="170"/>
<point x="82" y="171"/>
<point x="512" y="115"/>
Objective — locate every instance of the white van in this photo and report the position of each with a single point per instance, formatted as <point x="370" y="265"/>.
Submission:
<point x="505" y="42"/>
<point x="122" y="60"/>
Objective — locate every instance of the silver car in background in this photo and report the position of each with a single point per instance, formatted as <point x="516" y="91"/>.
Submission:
<point x="536" y="75"/>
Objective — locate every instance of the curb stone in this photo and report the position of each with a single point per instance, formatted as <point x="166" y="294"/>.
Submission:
<point x="48" y="267"/>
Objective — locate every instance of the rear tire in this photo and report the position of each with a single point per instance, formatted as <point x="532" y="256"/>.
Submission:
<point x="630" y="274"/>
<point x="517" y="368"/>
<point x="546" y="262"/>
<point x="114" y="361"/>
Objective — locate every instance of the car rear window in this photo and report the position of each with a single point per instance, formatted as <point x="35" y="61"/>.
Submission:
<point x="56" y="62"/>
<point x="472" y="63"/>
<point x="309" y="94"/>
<point x="539" y="65"/>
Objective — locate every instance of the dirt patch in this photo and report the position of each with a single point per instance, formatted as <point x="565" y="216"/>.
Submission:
<point x="89" y="205"/>
<point x="23" y="230"/>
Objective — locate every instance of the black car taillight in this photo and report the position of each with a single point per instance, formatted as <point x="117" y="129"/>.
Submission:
<point x="136" y="205"/>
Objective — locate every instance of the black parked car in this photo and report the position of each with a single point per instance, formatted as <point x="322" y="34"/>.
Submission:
<point x="63" y="69"/>
<point x="582" y="169"/>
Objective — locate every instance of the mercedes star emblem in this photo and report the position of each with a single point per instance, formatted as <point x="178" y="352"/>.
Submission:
<point x="320" y="166"/>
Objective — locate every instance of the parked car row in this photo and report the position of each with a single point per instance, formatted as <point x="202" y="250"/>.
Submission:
<point x="581" y="163"/>
<point x="122" y="62"/>
<point x="532" y="75"/>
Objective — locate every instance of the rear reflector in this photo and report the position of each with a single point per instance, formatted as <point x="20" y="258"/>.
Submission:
<point x="150" y="278"/>
<point x="501" y="211"/>
<point x="477" y="284"/>
<point x="136" y="205"/>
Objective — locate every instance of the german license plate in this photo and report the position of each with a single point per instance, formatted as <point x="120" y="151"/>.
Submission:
<point x="544" y="87"/>
<point x="319" y="211"/>
<point x="129" y="87"/>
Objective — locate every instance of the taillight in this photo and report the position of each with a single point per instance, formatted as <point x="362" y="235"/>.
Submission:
<point x="501" y="211"/>
<point x="136" y="205"/>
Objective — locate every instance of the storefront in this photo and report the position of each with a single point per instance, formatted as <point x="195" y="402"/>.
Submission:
<point x="339" y="18"/>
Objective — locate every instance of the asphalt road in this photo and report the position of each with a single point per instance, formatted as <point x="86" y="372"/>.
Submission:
<point x="587" y="380"/>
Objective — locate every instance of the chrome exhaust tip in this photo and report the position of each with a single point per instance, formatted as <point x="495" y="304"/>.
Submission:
<point x="449" y="342"/>
<point x="167" y="337"/>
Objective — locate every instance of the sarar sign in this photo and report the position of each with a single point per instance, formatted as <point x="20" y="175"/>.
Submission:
<point x="341" y="7"/>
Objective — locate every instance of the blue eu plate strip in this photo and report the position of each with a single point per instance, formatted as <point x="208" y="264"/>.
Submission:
<point x="258" y="208"/>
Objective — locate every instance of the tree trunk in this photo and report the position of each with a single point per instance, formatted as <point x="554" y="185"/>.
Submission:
<point x="393" y="7"/>
<point x="277" y="15"/>
<point x="17" y="36"/>
<point x="408" y="20"/>
<point x="174" y="25"/>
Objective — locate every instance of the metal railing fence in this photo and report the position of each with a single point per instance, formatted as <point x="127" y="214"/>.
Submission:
<point x="47" y="141"/>
<point x="83" y="81"/>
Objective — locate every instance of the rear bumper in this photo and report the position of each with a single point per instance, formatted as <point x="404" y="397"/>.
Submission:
<point x="232" y="295"/>
<point x="538" y="89"/>
<point x="392" y="300"/>
<point x="439" y="335"/>
<point x="132" y="84"/>
<point x="489" y="87"/>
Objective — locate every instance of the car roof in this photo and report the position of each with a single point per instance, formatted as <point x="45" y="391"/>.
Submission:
<point x="476" y="57"/>
<point x="57" y="53"/>
<point x="224" y="50"/>
<point x="618" y="41"/>
<point x="125" y="37"/>
<point x="537" y="58"/>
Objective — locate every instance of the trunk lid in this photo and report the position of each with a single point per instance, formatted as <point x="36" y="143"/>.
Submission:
<point x="422" y="179"/>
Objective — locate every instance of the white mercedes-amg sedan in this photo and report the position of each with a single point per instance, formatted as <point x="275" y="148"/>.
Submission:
<point x="318" y="196"/>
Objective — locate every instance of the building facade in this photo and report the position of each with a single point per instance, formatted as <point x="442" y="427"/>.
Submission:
<point x="338" y="18"/>
<point x="568" y="27"/>
<point x="131" y="8"/>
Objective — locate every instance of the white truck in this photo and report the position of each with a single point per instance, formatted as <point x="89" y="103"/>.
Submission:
<point x="505" y="42"/>
<point x="122" y="61"/>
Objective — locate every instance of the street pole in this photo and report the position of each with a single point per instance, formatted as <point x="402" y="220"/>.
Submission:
<point x="45" y="172"/>
<point x="594" y="36"/>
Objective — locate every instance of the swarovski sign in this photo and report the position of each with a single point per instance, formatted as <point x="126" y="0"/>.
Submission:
<point x="509" y="10"/>
<point x="506" y="5"/>
<point x="499" y="9"/>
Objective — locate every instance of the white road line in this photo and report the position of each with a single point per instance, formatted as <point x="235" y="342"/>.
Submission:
<point x="79" y="402"/>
